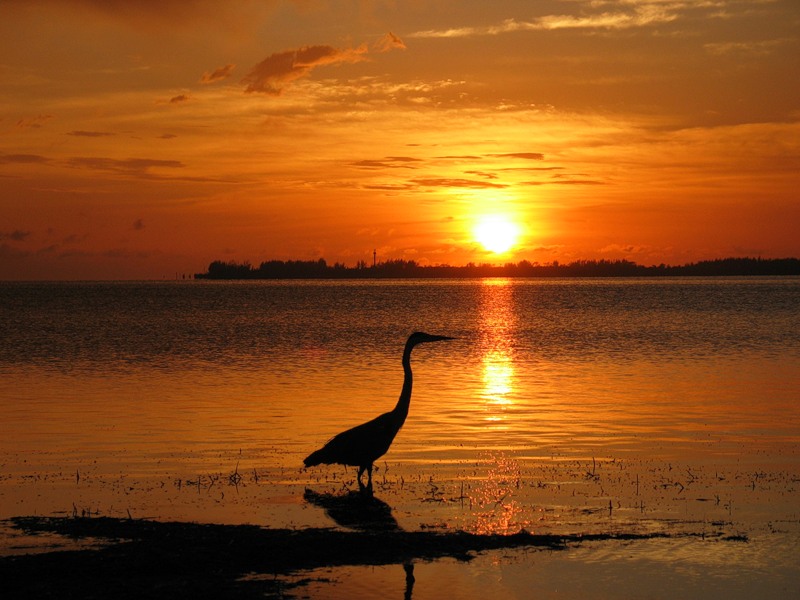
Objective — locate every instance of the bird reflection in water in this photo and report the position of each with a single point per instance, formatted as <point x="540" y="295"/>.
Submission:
<point x="359" y="510"/>
<point x="362" y="511"/>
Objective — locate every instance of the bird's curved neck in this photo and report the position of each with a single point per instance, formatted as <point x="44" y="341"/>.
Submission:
<point x="408" y="381"/>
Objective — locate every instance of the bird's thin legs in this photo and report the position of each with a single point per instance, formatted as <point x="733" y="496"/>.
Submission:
<point x="361" y="486"/>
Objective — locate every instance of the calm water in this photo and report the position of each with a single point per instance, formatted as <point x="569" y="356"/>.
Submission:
<point x="171" y="382"/>
<point x="541" y="368"/>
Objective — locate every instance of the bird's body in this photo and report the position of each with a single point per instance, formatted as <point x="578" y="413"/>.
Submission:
<point x="362" y="445"/>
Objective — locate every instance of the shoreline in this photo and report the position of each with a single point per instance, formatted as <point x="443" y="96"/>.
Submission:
<point x="144" y="558"/>
<point x="575" y="526"/>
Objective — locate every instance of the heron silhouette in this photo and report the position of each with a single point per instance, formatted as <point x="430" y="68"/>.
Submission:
<point x="362" y="445"/>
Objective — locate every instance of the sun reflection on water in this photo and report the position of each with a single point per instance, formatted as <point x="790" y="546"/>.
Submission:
<point x="497" y="325"/>
<point x="494" y="501"/>
<point x="498" y="377"/>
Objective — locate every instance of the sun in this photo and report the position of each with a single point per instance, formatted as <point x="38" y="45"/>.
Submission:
<point x="496" y="233"/>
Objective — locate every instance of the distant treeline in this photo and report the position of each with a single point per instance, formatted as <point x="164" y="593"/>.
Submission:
<point x="320" y="269"/>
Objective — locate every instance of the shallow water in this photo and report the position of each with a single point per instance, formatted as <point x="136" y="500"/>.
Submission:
<point x="645" y="569"/>
<point x="565" y="405"/>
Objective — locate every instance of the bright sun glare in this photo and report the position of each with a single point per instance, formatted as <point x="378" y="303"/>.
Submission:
<point x="497" y="233"/>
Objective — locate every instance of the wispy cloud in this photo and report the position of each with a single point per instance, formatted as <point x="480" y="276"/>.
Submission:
<point x="455" y="183"/>
<point x="485" y="174"/>
<point x="460" y="157"/>
<point x="759" y="48"/>
<point x="388" y="42"/>
<point x="141" y="168"/>
<point x="23" y="159"/>
<point x="639" y="16"/>
<point x="278" y="70"/>
<point x="556" y="181"/>
<point x="34" y="122"/>
<point x="129" y="166"/>
<point x="81" y="133"/>
<point x="17" y="235"/>
<point x="390" y="162"/>
<point x="624" y="249"/>
<point x="217" y="74"/>
<point x="522" y="155"/>
<point x="389" y="187"/>
<point x="178" y="99"/>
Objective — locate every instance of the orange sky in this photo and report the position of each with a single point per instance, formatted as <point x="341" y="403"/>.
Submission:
<point x="144" y="139"/>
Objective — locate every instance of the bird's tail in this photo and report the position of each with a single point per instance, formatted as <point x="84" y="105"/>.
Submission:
<point x="315" y="458"/>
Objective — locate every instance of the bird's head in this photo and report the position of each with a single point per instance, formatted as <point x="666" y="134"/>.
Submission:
<point x="420" y="337"/>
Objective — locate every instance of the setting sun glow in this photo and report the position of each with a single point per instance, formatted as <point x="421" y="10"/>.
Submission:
<point x="489" y="132"/>
<point x="497" y="234"/>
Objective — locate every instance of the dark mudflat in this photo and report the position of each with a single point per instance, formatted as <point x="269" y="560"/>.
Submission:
<point x="150" y="559"/>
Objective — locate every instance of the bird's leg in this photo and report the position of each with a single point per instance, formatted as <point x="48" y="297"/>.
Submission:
<point x="369" y="476"/>
<point x="358" y="478"/>
<point x="365" y="490"/>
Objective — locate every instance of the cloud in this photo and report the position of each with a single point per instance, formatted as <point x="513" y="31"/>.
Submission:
<point x="624" y="249"/>
<point x="73" y="238"/>
<point x="455" y="183"/>
<point x="15" y="236"/>
<point x="565" y="182"/>
<point x="217" y="74"/>
<point x="522" y="155"/>
<point x="390" y="162"/>
<point x="34" y="122"/>
<point x="761" y="48"/>
<point x="178" y="99"/>
<point x="640" y="16"/>
<point x="273" y="73"/>
<point x="531" y="169"/>
<point x="389" y="187"/>
<point x="403" y="159"/>
<point x="460" y="157"/>
<point x="130" y="166"/>
<point x="388" y="42"/>
<point x="138" y="224"/>
<point x="278" y="70"/>
<point x="139" y="168"/>
<point x="90" y="133"/>
<point x="24" y="159"/>
<point x="579" y="182"/>
<point x="485" y="174"/>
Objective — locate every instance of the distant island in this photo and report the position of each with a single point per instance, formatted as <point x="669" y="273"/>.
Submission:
<point x="409" y="269"/>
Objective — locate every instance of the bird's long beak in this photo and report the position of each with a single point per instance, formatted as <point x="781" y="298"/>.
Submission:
<point x="441" y="338"/>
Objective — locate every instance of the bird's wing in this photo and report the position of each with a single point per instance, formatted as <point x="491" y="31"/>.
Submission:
<point x="359" y="445"/>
